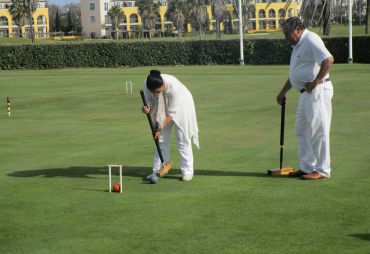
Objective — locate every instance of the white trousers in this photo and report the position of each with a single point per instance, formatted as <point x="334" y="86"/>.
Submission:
<point x="183" y="146"/>
<point x="313" y="129"/>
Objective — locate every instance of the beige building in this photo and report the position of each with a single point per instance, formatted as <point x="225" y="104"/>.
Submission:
<point x="96" y="21"/>
<point x="10" y="27"/>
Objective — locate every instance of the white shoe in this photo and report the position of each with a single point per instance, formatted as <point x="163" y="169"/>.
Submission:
<point x="187" y="178"/>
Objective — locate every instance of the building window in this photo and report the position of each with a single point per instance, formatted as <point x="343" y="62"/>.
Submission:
<point x="282" y="13"/>
<point x="107" y="32"/>
<point x="3" y="21"/>
<point x="92" y="6"/>
<point x="272" y="24"/>
<point x="262" y="14"/>
<point x="92" y="19"/>
<point x="106" y="6"/>
<point x="40" y="20"/>
<point x="262" y="24"/>
<point x="271" y="13"/>
<point x="107" y="19"/>
<point x="134" y="18"/>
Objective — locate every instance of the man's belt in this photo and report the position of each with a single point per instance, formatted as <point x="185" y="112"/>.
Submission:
<point x="323" y="81"/>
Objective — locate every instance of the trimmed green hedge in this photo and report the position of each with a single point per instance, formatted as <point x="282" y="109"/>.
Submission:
<point x="115" y="54"/>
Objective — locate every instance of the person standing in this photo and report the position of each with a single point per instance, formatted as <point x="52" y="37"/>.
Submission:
<point x="310" y="63"/>
<point x="171" y="106"/>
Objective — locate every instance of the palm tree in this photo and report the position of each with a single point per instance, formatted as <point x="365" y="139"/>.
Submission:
<point x="18" y="11"/>
<point x="248" y="12"/>
<point x="199" y="12"/>
<point x="326" y="25"/>
<point x="149" y="12"/>
<point x="309" y="13"/>
<point x="316" y="13"/>
<point x="116" y="16"/>
<point x="30" y="6"/>
<point x="218" y="9"/>
<point x="177" y="9"/>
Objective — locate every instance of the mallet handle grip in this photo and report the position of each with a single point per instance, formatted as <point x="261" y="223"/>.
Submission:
<point x="152" y="126"/>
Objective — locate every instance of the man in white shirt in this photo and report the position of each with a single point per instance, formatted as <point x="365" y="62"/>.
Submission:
<point x="310" y="63"/>
<point x="171" y="105"/>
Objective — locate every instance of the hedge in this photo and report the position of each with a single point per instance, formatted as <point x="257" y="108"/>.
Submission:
<point x="117" y="54"/>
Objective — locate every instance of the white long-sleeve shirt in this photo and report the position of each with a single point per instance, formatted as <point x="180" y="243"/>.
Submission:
<point x="179" y="104"/>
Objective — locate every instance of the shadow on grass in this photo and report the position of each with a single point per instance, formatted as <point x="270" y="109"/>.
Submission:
<point x="138" y="172"/>
<point x="365" y="237"/>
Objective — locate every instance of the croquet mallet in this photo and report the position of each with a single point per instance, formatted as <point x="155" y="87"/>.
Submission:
<point x="165" y="166"/>
<point x="281" y="170"/>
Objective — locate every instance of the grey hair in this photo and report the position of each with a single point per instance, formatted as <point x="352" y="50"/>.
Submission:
<point x="292" y="23"/>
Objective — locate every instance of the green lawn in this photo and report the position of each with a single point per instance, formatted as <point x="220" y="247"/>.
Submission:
<point x="68" y="125"/>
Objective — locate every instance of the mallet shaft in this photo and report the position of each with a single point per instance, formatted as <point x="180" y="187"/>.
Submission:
<point x="152" y="127"/>
<point x="282" y="127"/>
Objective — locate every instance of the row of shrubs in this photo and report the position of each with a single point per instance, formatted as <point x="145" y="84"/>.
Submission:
<point x="116" y="54"/>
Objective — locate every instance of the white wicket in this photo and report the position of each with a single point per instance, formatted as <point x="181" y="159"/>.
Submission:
<point x="128" y="86"/>
<point x="8" y="105"/>
<point x="110" y="176"/>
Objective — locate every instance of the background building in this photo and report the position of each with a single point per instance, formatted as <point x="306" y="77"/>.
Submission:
<point x="96" y="22"/>
<point x="10" y="27"/>
<point x="269" y="15"/>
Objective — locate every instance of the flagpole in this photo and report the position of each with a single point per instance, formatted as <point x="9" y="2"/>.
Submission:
<point x="350" y="58"/>
<point x="241" y="34"/>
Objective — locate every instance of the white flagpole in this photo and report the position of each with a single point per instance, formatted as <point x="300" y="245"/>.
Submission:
<point x="241" y="34"/>
<point x="350" y="59"/>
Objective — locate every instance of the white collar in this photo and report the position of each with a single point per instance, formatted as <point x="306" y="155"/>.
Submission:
<point x="303" y="36"/>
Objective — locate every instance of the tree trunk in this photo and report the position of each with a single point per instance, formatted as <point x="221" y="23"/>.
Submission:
<point x="217" y="29"/>
<point x="179" y="27"/>
<point x="231" y="24"/>
<point x="367" y="20"/>
<point x="200" y="32"/>
<point x="341" y="12"/>
<point x="326" y="19"/>
<point x="116" y="23"/>
<point x="359" y="12"/>
<point x="31" y="29"/>
<point x="179" y="30"/>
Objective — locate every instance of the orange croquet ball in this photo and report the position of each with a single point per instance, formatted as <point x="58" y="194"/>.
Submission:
<point x="116" y="187"/>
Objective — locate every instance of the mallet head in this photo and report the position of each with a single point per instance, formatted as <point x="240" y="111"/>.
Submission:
<point x="280" y="171"/>
<point x="164" y="170"/>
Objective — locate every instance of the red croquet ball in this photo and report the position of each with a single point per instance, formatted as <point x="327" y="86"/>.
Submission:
<point x="116" y="187"/>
